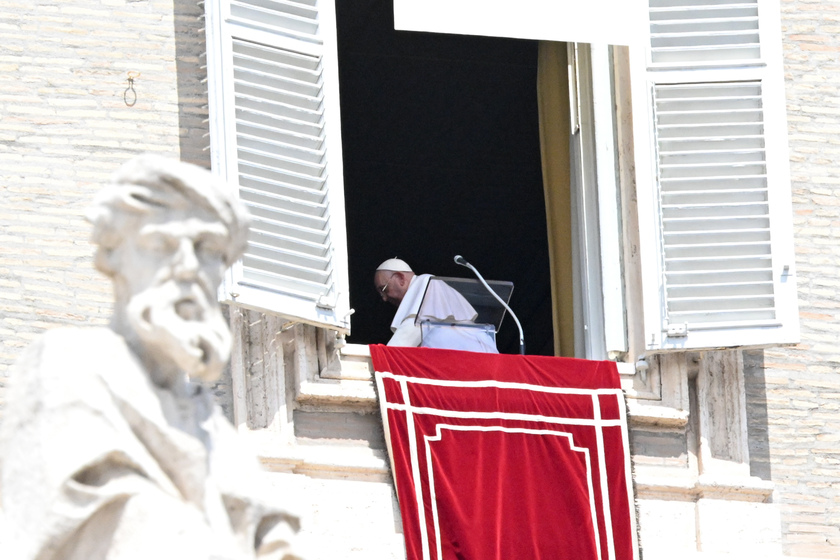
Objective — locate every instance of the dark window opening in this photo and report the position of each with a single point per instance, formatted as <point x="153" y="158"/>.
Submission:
<point x="441" y="157"/>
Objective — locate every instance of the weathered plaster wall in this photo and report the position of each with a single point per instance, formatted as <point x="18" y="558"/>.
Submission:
<point x="65" y="127"/>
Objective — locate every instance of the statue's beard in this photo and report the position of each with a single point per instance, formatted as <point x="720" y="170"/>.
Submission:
<point x="181" y="329"/>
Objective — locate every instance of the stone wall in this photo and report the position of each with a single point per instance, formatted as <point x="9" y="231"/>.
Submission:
<point x="798" y="389"/>
<point x="65" y="127"/>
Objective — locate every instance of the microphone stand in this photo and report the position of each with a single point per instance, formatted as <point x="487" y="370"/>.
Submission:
<point x="463" y="262"/>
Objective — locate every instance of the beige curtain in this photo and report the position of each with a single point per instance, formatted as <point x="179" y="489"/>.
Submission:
<point x="555" y="125"/>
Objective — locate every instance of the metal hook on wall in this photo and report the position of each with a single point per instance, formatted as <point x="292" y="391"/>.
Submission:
<point x="129" y="95"/>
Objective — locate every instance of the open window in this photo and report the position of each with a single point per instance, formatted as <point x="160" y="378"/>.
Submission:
<point x="442" y="157"/>
<point x="430" y="170"/>
<point x="708" y="145"/>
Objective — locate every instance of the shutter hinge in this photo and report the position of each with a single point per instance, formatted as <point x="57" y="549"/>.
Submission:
<point x="326" y="301"/>
<point x="677" y="331"/>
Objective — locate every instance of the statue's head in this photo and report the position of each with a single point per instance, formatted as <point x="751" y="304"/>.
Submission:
<point x="166" y="231"/>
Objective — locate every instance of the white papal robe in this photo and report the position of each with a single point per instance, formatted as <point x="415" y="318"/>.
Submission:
<point x="440" y="303"/>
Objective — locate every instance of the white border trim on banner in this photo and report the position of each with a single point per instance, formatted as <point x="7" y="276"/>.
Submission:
<point x="597" y="422"/>
<point x="439" y="436"/>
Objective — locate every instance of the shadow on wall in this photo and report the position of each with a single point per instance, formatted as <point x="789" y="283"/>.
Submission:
<point x="190" y="43"/>
<point x="756" y="395"/>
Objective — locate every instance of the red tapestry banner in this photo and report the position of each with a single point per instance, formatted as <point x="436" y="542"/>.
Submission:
<point x="500" y="456"/>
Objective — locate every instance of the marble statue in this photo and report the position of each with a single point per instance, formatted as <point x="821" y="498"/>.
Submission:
<point x="110" y="446"/>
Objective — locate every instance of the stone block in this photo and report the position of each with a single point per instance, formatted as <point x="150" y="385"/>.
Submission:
<point x="750" y="528"/>
<point x="667" y="528"/>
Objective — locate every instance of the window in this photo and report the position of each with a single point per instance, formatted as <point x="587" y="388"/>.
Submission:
<point x="442" y="157"/>
<point x="470" y="187"/>
<point x="709" y="143"/>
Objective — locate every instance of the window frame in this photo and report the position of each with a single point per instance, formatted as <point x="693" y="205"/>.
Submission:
<point x="602" y="296"/>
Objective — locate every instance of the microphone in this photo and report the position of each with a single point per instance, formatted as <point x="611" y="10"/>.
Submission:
<point x="459" y="260"/>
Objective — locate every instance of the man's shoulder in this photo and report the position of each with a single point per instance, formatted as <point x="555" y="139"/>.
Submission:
<point x="418" y="286"/>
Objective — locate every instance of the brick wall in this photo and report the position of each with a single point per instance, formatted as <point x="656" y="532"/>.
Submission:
<point x="797" y="391"/>
<point x="65" y="127"/>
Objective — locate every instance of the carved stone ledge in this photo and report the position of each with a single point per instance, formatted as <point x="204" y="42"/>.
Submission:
<point x="354" y="364"/>
<point x="358" y="395"/>
<point x="654" y="487"/>
<point x="647" y="416"/>
<point x="752" y="489"/>
<point x="329" y="461"/>
<point x="344" y="380"/>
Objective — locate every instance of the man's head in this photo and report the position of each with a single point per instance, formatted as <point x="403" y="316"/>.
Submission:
<point x="165" y="233"/>
<point x="391" y="280"/>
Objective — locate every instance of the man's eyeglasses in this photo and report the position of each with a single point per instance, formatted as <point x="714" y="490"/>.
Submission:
<point x="384" y="288"/>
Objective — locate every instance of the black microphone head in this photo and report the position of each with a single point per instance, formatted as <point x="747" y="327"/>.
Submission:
<point x="460" y="260"/>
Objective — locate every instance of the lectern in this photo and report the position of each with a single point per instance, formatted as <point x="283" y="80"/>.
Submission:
<point x="460" y="314"/>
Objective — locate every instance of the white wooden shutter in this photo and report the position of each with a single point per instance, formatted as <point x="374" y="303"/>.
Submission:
<point x="275" y="134"/>
<point x="712" y="177"/>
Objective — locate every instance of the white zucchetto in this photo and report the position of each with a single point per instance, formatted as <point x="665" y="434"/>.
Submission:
<point x="395" y="265"/>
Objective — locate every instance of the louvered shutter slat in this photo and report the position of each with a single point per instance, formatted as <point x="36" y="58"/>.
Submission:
<point x="287" y="232"/>
<point x="268" y="130"/>
<point x="711" y="289"/>
<point x="717" y="250"/>
<point x="728" y="223"/>
<point x="270" y="274"/>
<point x="286" y="216"/>
<point x="256" y="184"/>
<point x="314" y="264"/>
<point x="292" y="206"/>
<point x="703" y="237"/>
<point x="254" y="140"/>
<point x="252" y="110"/>
<point x="686" y="31"/>
<point x="293" y="240"/>
<point x="265" y="159"/>
<point x="288" y="16"/>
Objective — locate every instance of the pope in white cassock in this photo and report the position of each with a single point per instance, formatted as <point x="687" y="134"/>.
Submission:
<point x="397" y="284"/>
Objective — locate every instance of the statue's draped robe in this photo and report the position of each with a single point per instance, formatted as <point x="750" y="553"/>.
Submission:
<point x="98" y="462"/>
